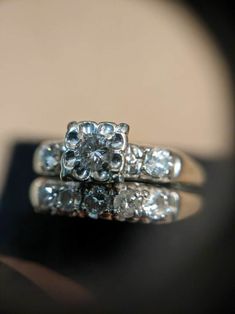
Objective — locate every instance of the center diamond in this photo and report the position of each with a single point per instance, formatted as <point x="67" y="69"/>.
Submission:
<point x="93" y="154"/>
<point x="94" y="151"/>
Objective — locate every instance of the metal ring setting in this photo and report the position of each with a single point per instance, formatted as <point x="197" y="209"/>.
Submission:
<point x="100" y="152"/>
<point x="129" y="201"/>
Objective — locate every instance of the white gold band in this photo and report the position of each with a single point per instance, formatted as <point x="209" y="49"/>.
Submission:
<point x="129" y="201"/>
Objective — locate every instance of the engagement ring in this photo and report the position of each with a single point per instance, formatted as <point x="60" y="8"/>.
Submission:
<point x="100" y="152"/>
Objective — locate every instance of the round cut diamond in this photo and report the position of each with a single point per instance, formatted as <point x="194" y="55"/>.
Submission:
<point x="65" y="199"/>
<point x="50" y="158"/>
<point x="93" y="155"/>
<point x="158" y="162"/>
<point x="69" y="197"/>
<point x="160" y="204"/>
<point x="127" y="203"/>
<point x="96" y="200"/>
<point x="93" y="151"/>
<point x="60" y="197"/>
<point x="47" y="196"/>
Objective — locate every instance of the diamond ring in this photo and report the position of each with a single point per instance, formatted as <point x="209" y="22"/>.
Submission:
<point x="127" y="201"/>
<point x="100" y="152"/>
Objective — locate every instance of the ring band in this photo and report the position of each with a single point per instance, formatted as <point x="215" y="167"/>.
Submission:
<point x="134" y="202"/>
<point x="100" y="152"/>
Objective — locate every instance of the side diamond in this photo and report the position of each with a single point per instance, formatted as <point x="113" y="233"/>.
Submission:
<point x="158" y="163"/>
<point x="69" y="197"/>
<point x="161" y="204"/>
<point x="54" y="196"/>
<point x="47" y="195"/>
<point x="127" y="203"/>
<point x="50" y="157"/>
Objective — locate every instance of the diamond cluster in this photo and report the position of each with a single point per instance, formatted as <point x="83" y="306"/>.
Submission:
<point x="123" y="201"/>
<point x="94" y="151"/>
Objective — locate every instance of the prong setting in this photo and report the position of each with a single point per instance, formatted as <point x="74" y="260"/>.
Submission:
<point x="123" y="201"/>
<point x="94" y="151"/>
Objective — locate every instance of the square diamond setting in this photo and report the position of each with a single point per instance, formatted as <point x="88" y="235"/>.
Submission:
<point x="94" y="151"/>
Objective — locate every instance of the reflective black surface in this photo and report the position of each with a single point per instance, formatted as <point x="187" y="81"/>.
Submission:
<point x="187" y="266"/>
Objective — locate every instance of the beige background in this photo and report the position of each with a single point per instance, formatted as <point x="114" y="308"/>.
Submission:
<point x="148" y="63"/>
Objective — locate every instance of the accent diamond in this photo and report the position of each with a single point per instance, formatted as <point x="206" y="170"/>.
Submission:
<point x="47" y="196"/>
<point x="158" y="163"/>
<point x="160" y="204"/>
<point x="57" y="196"/>
<point x="69" y="197"/>
<point x="127" y="203"/>
<point x="50" y="157"/>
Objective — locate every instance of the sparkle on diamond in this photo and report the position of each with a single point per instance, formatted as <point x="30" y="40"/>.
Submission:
<point x="50" y="157"/>
<point x="158" y="162"/>
<point x="63" y="197"/>
<point x="160" y="204"/>
<point x="127" y="203"/>
<point x="94" y="151"/>
<point x="97" y="200"/>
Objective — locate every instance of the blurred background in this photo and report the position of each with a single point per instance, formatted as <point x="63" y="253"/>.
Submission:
<point x="152" y="64"/>
<point x="164" y="67"/>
